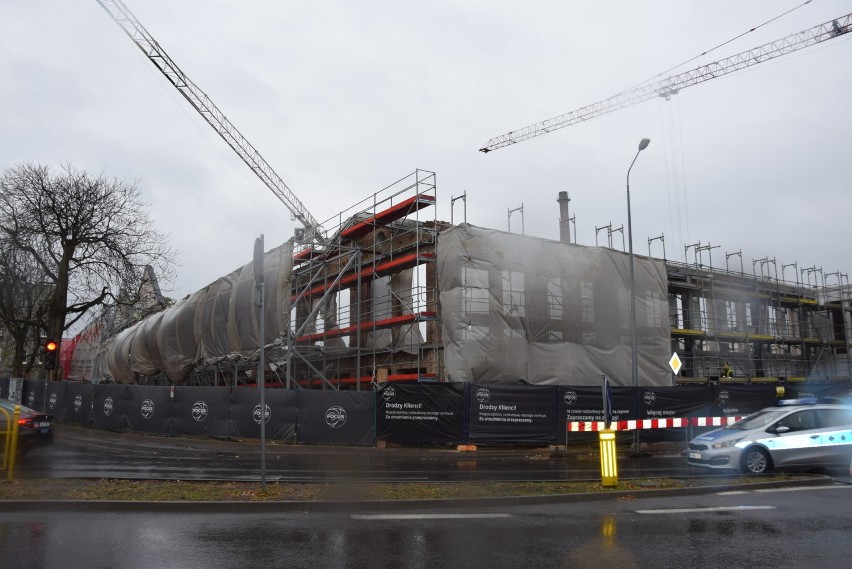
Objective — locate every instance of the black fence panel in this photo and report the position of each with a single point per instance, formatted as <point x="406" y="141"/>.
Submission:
<point x="56" y="393"/>
<point x="200" y="410"/>
<point x="421" y="413"/>
<point x="244" y="414"/>
<point x="108" y="410"/>
<point x="33" y="395"/>
<point x="408" y="413"/>
<point x="78" y="403"/>
<point x="738" y="400"/>
<point x="4" y="388"/>
<point x="585" y="403"/>
<point x="820" y="391"/>
<point x="512" y="413"/>
<point x="669" y="403"/>
<point x="148" y="408"/>
<point x="337" y="417"/>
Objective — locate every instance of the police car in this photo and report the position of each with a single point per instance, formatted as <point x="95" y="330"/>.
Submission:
<point x="795" y="435"/>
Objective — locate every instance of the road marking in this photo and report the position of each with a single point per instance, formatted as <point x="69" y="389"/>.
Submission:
<point x="699" y="510"/>
<point x="732" y="492"/>
<point x="796" y="489"/>
<point x="428" y="516"/>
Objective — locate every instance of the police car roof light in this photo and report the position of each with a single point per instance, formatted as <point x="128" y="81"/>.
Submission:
<point x="801" y="401"/>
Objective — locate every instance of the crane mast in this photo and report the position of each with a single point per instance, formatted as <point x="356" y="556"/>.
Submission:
<point x="672" y="85"/>
<point x="122" y="16"/>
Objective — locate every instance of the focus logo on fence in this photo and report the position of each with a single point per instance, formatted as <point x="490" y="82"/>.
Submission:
<point x="199" y="411"/>
<point x="108" y="406"/>
<point x="147" y="409"/>
<point x="570" y="397"/>
<point x="78" y="403"/>
<point x="483" y="395"/>
<point x="389" y="394"/>
<point x="256" y="413"/>
<point x="335" y="417"/>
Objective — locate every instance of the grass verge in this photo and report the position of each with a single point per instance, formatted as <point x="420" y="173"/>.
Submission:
<point x="158" y="490"/>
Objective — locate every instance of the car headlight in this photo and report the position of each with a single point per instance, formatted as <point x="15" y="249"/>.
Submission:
<point x="726" y="444"/>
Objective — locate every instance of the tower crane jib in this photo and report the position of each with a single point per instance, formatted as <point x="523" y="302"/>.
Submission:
<point x="673" y="85"/>
<point x="122" y="16"/>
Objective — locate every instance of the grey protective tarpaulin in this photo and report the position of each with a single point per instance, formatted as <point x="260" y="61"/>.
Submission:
<point x="522" y="308"/>
<point x="118" y="355"/>
<point x="145" y="350"/>
<point x="178" y="341"/>
<point x="219" y="322"/>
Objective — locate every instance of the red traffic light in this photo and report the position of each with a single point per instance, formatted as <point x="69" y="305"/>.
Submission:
<point x="50" y="355"/>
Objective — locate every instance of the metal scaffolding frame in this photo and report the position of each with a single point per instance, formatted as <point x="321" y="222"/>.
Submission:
<point x="767" y="329"/>
<point x="365" y="303"/>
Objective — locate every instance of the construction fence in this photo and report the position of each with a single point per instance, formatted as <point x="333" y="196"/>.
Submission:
<point x="415" y="413"/>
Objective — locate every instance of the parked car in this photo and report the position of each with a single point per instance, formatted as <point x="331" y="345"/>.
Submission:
<point x="796" y="436"/>
<point x="34" y="428"/>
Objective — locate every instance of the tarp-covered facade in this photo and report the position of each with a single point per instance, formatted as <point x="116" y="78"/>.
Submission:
<point x="517" y="308"/>
<point x="219" y="322"/>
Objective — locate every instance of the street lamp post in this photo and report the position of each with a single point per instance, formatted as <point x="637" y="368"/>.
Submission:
<point x="634" y="362"/>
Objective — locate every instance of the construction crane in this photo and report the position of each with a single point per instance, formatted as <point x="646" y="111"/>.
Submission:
<point x="672" y="85"/>
<point x="122" y="16"/>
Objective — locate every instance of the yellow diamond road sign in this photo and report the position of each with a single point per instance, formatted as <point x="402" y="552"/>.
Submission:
<point x="675" y="364"/>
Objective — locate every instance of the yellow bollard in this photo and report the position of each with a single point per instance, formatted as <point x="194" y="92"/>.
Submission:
<point x="7" y="437"/>
<point x="609" y="460"/>
<point x="13" y="450"/>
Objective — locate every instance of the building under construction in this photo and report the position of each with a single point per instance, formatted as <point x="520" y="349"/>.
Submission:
<point x="394" y="295"/>
<point x="392" y="315"/>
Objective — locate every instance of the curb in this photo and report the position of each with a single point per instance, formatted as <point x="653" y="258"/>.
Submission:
<point x="112" y="506"/>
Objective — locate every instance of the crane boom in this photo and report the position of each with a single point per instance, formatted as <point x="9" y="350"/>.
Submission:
<point x="122" y="16"/>
<point x="672" y="85"/>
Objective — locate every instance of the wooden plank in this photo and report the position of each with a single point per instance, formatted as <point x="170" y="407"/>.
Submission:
<point x="384" y="217"/>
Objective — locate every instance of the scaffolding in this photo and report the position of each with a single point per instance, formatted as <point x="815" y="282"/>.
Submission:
<point x="364" y="305"/>
<point x="761" y="326"/>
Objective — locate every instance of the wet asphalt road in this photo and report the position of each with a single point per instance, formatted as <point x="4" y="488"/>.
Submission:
<point x="88" y="453"/>
<point x="793" y="527"/>
<point x="779" y="528"/>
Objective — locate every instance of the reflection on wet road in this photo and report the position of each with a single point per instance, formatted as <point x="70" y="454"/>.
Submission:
<point x="805" y="527"/>
<point x="88" y="453"/>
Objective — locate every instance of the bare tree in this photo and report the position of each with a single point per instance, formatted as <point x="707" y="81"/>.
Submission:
<point x="23" y="307"/>
<point x="91" y="236"/>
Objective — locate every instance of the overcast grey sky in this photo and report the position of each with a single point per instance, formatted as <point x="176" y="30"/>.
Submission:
<point x="343" y="98"/>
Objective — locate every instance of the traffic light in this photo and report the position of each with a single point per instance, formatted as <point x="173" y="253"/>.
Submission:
<point x="51" y="349"/>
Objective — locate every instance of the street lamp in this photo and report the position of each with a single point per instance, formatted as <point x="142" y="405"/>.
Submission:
<point x="634" y="364"/>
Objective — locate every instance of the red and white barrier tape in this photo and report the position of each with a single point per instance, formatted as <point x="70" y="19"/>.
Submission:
<point x="590" y="426"/>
